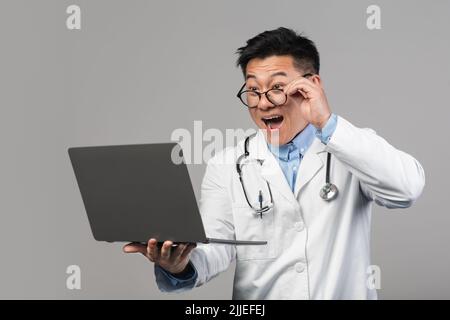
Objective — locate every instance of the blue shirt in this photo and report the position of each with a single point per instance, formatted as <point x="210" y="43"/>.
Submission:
<point x="289" y="157"/>
<point x="176" y="282"/>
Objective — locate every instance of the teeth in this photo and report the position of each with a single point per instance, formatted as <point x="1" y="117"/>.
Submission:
<point x="270" y="118"/>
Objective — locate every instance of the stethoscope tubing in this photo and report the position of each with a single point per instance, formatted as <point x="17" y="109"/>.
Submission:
<point x="328" y="192"/>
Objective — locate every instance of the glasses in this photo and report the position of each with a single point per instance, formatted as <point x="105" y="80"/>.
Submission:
<point x="277" y="97"/>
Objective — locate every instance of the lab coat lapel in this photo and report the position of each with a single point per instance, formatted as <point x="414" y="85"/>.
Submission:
<point x="311" y="164"/>
<point x="270" y="169"/>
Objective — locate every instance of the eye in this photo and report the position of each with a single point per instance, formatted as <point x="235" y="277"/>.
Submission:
<point x="277" y="86"/>
<point x="252" y="89"/>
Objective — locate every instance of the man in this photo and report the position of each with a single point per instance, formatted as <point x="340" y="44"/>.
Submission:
<point x="318" y="247"/>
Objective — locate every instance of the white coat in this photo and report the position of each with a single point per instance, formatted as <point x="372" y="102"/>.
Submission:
<point x="316" y="249"/>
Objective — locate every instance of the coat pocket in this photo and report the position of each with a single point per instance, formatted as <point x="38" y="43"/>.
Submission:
<point x="250" y="226"/>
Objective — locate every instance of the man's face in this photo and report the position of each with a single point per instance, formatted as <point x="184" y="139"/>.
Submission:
<point x="281" y="122"/>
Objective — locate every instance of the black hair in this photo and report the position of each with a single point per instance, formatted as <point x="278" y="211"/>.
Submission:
<point x="281" y="42"/>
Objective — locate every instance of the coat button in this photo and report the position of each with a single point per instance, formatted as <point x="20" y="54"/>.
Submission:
<point x="299" y="267"/>
<point x="299" y="226"/>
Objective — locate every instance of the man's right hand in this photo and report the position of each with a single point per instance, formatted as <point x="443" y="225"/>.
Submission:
<point x="172" y="259"/>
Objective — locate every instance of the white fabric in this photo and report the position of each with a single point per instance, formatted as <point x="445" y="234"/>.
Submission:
<point x="316" y="249"/>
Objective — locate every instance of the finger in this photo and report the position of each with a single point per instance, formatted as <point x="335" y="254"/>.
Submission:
<point x="300" y="86"/>
<point x="165" y="250"/>
<point x="177" y="252"/>
<point x="187" y="251"/>
<point x="300" y="81"/>
<point x="152" y="249"/>
<point x="135" y="248"/>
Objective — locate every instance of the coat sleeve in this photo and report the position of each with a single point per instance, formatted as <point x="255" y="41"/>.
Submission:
<point x="215" y="207"/>
<point x="388" y="176"/>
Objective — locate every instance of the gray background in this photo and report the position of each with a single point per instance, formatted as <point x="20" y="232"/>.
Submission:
<point x="137" y="70"/>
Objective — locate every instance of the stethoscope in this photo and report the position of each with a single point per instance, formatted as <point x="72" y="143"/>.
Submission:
<point x="328" y="192"/>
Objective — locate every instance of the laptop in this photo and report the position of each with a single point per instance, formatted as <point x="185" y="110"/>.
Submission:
<point x="132" y="193"/>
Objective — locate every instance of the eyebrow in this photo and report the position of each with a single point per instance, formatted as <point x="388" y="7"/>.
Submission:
<point x="279" y="73"/>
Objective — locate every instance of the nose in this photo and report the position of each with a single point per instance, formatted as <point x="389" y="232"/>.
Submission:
<point x="264" y="103"/>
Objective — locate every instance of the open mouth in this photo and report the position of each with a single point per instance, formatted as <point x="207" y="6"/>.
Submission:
<point x="273" y="122"/>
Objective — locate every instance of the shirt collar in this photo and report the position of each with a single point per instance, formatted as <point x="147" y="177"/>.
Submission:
<point x="298" y="145"/>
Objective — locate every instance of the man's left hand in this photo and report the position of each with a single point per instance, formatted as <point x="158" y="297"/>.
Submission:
<point x="313" y="105"/>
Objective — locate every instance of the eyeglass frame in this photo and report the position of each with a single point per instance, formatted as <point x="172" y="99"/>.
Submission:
<point x="240" y="92"/>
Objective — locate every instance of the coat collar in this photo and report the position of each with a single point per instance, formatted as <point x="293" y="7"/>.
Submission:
<point x="311" y="163"/>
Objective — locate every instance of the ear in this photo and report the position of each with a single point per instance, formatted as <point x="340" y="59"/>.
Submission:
<point x="317" y="80"/>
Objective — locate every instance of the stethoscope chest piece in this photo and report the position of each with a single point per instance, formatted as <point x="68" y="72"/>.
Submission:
<point x="329" y="192"/>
